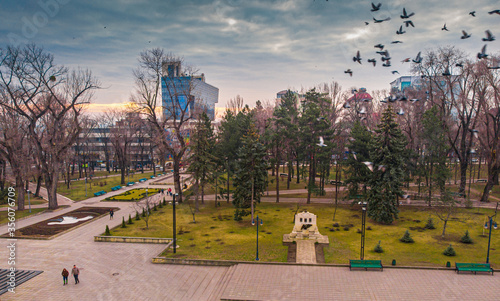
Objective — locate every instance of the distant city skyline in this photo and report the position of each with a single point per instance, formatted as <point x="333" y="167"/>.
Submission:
<point x="249" y="48"/>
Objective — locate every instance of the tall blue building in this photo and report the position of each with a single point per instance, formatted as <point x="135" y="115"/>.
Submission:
<point x="182" y="93"/>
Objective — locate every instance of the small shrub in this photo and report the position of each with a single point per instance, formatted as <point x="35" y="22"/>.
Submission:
<point x="107" y="232"/>
<point x="164" y="202"/>
<point x="368" y="228"/>
<point x="346" y="228"/>
<point x="336" y="225"/>
<point x="130" y="222"/>
<point x="123" y="222"/>
<point x="378" y="248"/>
<point x="449" y="251"/>
<point x="466" y="238"/>
<point x="406" y="238"/>
<point x="468" y="203"/>
<point x="358" y="231"/>
<point x="137" y="217"/>
<point x="430" y="224"/>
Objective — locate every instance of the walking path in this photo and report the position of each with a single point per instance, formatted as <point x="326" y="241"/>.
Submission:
<point x="306" y="251"/>
<point x="114" y="271"/>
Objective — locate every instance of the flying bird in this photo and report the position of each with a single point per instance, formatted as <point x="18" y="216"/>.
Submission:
<point x="380" y="21"/>
<point x="348" y="71"/>
<point x="396" y="42"/>
<point x="444" y="27"/>
<point x="387" y="64"/>
<point x="414" y="100"/>
<point x="373" y="61"/>
<point x="406" y="60"/>
<point x="384" y="100"/>
<point x="465" y="35"/>
<point x="473" y="13"/>
<point x="375" y="7"/>
<point x="385" y="58"/>
<point x="405" y="15"/>
<point x="496" y="11"/>
<point x="459" y="65"/>
<point x="447" y="72"/>
<point x="400" y="112"/>
<point x="384" y="53"/>
<point x="400" y="31"/>
<point x="418" y="59"/>
<point x="495" y="67"/>
<point x="380" y="46"/>
<point x="489" y="37"/>
<point x="346" y="105"/>
<point x="366" y="23"/>
<point x="357" y="58"/>
<point x="321" y="142"/>
<point x="482" y="54"/>
<point x="408" y="23"/>
<point x="362" y="110"/>
<point x="394" y="72"/>
<point x="369" y="165"/>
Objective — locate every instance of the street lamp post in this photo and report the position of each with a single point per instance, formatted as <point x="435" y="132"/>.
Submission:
<point x="257" y="221"/>
<point x="489" y="235"/>
<point x="363" y="231"/>
<point x="175" y="234"/>
<point x="29" y="202"/>
<point x="85" y="186"/>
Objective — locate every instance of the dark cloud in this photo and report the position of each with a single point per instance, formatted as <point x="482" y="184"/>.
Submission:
<point x="253" y="48"/>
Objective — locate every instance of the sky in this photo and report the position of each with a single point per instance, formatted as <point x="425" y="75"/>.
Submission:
<point x="251" y="48"/>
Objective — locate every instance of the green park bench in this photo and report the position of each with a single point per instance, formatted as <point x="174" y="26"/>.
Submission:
<point x="143" y="180"/>
<point x="356" y="197"/>
<point x="474" y="267"/>
<point x="152" y="177"/>
<point x="116" y="188"/>
<point x="365" y="264"/>
<point x="481" y="181"/>
<point x="99" y="193"/>
<point x="130" y="183"/>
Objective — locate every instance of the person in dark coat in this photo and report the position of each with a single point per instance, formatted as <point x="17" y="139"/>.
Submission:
<point x="65" y="275"/>
<point x="75" y="272"/>
<point x="111" y="213"/>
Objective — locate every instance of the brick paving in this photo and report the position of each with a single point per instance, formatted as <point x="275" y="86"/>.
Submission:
<point x="114" y="271"/>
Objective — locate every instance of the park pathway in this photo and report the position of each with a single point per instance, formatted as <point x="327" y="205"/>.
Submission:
<point x="114" y="271"/>
<point x="306" y="251"/>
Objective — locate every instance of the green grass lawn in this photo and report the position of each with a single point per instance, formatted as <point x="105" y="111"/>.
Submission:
<point x="215" y="235"/>
<point x="33" y="201"/>
<point x="133" y="195"/>
<point x="76" y="192"/>
<point x="19" y="214"/>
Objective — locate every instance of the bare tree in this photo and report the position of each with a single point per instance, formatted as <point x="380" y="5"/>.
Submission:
<point x="172" y="124"/>
<point x="235" y="105"/>
<point x="50" y="98"/>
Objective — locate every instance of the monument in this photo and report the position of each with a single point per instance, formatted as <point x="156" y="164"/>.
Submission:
<point x="305" y="228"/>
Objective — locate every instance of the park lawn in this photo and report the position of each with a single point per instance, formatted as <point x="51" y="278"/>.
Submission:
<point x="76" y="192"/>
<point x="19" y="214"/>
<point x="215" y="235"/>
<point x="133" y="195"/>
<point x="33" y="200"/>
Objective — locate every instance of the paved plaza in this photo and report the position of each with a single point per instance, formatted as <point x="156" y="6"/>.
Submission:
<point x="117" y="271"/>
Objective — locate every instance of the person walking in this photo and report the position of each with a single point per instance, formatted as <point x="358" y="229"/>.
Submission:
<point x="75" y="272"/>
<point x="111" y="213"/>
<point x="65" y="275"/>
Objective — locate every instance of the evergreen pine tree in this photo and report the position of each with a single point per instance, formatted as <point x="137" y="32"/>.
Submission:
<point x="137" y="216"/>
<point x="251" y="168"/>
<point x="430" y="224"/>
<point x="449" y="251"/>
<point x="378" y="248"/>
<point x="107" y="232"/>
<point x="123" y="222"/>
<point x="387" y="154"/>
<point x="359" y="151"/>
<point x="130" y="222"/>
<point x="406" y="238"/>
<point x="466" y="239"/>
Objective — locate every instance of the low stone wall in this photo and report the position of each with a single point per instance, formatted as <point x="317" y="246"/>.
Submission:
<point x="143" y="240"/>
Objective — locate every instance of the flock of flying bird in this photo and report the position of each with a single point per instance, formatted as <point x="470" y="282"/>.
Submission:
<point x="385" y="58"/>
<point x="407" y="22"/>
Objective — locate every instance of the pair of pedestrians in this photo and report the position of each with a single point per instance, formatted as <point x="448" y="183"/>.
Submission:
<point x="74" y="271"/>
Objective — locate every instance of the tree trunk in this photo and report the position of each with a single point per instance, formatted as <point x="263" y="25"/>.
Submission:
<point x="177" y="180"/>
<point x="444" y="227"/>
<point x="463" y="176"/>
<point x="196" y="203"/>
<point x="203" y="192"/>
<point x="298" y="174"/>
<point x="51" y="185"/>
<point x="228" y="181"/>
<point x="277" y="176"/>
<point x="492" y="174"/>
<point x="20" y="192"/>
<point x="38" y="186"/>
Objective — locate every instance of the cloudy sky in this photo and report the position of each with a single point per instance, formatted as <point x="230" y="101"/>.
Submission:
<point x="253" y="48"/>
